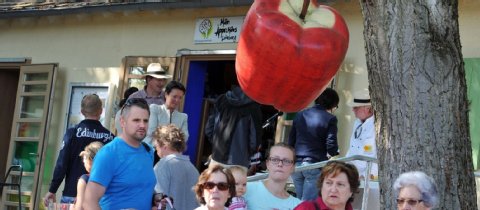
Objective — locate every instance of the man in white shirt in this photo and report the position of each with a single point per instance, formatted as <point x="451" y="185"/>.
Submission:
<point x="362" y="141"/>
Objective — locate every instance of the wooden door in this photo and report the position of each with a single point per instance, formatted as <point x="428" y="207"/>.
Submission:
<point x="9" y="81"/>
<point x="29" y="131"/>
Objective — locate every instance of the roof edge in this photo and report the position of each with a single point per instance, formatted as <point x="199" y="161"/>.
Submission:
<point x="120" y="7"/>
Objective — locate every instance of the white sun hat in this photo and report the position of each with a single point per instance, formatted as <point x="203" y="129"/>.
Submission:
<point x="156" y="70"/>
<point x="360" y="98"/>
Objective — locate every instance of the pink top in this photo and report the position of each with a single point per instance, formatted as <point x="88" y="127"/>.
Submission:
<point x="309" y="205"/>
<point x="238" y="203"/>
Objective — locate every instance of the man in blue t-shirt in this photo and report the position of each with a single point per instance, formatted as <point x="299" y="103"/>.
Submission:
<point x="122" y="175"/>
<point x="69" y="164"/>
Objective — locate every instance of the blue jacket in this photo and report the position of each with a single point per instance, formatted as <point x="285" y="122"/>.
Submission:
<point x="69" y="163"/>
<point x="314" y="133"/>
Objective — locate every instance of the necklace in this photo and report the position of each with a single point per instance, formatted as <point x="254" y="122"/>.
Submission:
<point x="358" y="131"/>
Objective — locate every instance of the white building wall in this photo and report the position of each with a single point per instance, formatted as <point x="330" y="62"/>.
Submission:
<point x="89" y="48"/>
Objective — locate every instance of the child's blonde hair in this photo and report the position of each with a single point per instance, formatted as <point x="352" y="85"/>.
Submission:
<point x="237" y="168"/>
<point x="171" y="135"/>
<point x="91" y="150"/>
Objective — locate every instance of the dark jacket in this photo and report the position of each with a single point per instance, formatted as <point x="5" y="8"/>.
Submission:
<point x="314" y="133"/>
<point x="237" y="128"/>
<point x="69" y="163"/>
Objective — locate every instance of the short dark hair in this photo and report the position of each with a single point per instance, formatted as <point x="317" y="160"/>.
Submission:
<point x="91" y="105"/>
<point x="129" y="91"/>
<point x="138" y="102"/>
<point x="328" y="99"/>
<point x="174" y="85"/>
<point x="336" y="167"/>
<point x="127" y="94"/>
<point x="205" y="175"/>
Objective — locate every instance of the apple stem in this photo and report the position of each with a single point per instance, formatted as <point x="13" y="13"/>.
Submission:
<point x="304" y="9"/>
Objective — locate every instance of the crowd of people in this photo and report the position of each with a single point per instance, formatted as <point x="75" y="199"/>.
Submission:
<point x="102" y="171"/>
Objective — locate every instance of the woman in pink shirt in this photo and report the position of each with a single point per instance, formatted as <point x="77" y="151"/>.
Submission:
<point x="337" y="184"/>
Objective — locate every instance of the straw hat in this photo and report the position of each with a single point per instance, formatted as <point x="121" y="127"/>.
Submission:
<point x="156" y="70"/>
<point x="360" y="98"/>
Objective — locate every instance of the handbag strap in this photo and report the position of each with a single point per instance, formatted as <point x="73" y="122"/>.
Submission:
<point x="146" y="146"/>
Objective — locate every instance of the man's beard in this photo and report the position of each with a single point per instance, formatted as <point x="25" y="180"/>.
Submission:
<point x="139" y="137"/>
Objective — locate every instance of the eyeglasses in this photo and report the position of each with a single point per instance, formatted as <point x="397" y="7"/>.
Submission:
<point x="134" y="101"/>
<point x="221" y="185"/>
<point x="276" y="161"/>
<point x="410" y="202"/>
<point x="358" y="131"/>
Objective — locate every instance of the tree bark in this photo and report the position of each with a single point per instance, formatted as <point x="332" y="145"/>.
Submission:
<point x="418" y="90"/>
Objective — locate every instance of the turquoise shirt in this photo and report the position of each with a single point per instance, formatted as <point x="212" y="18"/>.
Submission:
<point x="126" y="173"/>
<point x="259" y="198"/>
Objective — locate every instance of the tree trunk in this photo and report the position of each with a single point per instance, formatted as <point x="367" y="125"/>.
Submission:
<point x="418" y="91"/>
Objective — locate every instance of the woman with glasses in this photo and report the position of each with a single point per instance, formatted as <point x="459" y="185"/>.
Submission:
<point x="337" y="185"/>
<point x="416" y="191"/>
<point x="215" y="188"/>
<point x="270" y="193"/>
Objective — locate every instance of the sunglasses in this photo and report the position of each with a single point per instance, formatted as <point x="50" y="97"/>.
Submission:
<point x="221" y="185"/>
<point x="134" y="101"/>
<point x="410" y="202"/>
<point x="285" y="162"/>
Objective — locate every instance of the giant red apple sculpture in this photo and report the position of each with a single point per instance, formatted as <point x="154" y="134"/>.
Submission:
<point x="284" y="60"/>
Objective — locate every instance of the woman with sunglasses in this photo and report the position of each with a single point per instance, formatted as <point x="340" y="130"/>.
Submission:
<point x="416" y="191"/>
<point x="337" y="184"/>
<point x="215" y="188"/>
<point x="270" y="193"/>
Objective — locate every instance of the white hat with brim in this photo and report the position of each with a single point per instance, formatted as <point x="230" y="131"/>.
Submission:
<point x="155" y="70"/>
<point x="360" y="98"/>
